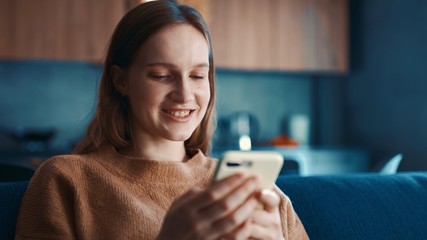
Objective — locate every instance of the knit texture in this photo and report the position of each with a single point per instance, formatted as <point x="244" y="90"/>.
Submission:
<point x="106" y="195"/>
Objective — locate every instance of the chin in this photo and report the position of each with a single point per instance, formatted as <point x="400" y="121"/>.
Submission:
<point x="179" y="137"/>
<point x="179" y="134"/>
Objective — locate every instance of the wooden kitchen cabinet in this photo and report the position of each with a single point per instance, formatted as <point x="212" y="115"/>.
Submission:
<point x="289" y="35"/>
<point x="57" y="29"/>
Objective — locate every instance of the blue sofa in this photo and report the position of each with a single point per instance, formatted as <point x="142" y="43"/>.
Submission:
<point x="11" y="194"/>
<point x="361" y="206"/>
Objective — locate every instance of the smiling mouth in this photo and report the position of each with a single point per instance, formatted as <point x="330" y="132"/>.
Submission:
<point x="179" y="113"/>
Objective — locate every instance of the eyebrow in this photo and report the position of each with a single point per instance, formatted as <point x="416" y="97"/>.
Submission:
<point x="200" y="65"/>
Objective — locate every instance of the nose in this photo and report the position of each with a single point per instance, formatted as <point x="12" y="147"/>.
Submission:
<point x="182" y="90"/>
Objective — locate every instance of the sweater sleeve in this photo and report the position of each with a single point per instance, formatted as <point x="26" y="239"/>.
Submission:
<point x="291" y="224"/>
<point x="47" y="207"/>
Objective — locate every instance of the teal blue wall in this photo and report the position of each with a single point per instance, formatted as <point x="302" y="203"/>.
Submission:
<point x="386" y="91"/>
<point x="270" y="96"/>
<point x="44" y="94"/>
<point x="40" y="94"/>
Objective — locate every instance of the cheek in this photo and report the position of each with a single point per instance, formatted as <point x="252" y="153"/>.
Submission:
<point x="204" y="95"/>
<point x="139" y="95"/>
<point x="207" y="97"/>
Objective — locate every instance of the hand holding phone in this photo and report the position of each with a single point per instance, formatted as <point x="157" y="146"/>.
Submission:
<point x="266" y="165"/>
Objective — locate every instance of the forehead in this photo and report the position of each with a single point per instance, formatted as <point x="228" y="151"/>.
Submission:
<point x="175" y="42"/>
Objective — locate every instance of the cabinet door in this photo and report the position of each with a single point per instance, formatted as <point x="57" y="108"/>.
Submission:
<point x="242" y="34"/>
<point x="57" y="29"/>
<point x="291" y="35"/>
<point x="313" y="35"/>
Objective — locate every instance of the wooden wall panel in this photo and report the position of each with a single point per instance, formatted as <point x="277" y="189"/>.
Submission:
<point x="5" y="30"/>
<point x="303" y="35"/>
<point x="290" y="35"/>
<point x="58" y="29"/>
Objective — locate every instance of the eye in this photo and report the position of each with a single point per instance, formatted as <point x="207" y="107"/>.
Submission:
<point x="198" y="77"/>
<point x="159" y="76"/>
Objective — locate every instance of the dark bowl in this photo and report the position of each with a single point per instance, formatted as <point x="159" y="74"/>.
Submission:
<point x="32" y="134"/>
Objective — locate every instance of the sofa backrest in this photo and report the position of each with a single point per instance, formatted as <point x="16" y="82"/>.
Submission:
<point x="10" y="172"/>
<point x="11" y="194"/>
<point x="366" y="206"/>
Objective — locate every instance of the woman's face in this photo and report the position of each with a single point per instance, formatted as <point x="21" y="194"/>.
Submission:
<point x="168" y="86"/>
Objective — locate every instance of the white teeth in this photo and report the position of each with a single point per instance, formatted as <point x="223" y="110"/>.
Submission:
<point x="179" y="113"/>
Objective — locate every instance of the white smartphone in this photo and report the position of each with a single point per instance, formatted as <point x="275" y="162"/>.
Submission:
<point x="264" y="164"/>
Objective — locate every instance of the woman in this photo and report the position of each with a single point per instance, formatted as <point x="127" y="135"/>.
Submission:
<point x="141" y="172"/>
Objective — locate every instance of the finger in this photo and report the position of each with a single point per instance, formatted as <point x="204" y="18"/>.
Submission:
<point x="231" y="223"/>
<point x="269" y="199"/>
<point x="242" y="232"/>
<point x="199" y="198"/>
<point x="260" y="232"/>
<point x="220" y="189"/>
<point x="262" y="219"/>
<point x="265" y="219"/>
<point x="235" y="198"/>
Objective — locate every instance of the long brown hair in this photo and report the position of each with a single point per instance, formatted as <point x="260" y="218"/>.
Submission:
<point x="111" y="124"/>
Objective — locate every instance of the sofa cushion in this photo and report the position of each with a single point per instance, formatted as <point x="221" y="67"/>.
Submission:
<point x="11" y="194"/>
<point x="368" y="206"/>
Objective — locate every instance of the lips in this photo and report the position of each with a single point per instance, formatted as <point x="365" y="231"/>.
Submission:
<point x="178" y="113"/>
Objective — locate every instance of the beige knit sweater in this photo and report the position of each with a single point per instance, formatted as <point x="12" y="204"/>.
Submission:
<point x="105" y="195"/>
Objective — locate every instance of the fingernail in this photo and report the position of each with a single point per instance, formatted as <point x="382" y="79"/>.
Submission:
<point x="269" y="192"/>
<point x="266" y="191"/>
<point x="238" y="176"/>
<point x="254" y="179"/>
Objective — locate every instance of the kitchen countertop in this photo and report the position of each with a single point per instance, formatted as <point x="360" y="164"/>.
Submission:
<point x="26" y="159"/>
<point x="304" y="161"/>
<point x="319" y="160"/>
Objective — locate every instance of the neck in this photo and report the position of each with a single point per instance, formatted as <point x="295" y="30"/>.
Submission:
<point x="167" y="151"/>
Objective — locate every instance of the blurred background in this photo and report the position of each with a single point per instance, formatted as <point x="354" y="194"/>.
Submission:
<point x="337" y="86"/>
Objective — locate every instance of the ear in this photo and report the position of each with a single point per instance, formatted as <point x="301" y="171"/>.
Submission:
<point x="119" y="79"/>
